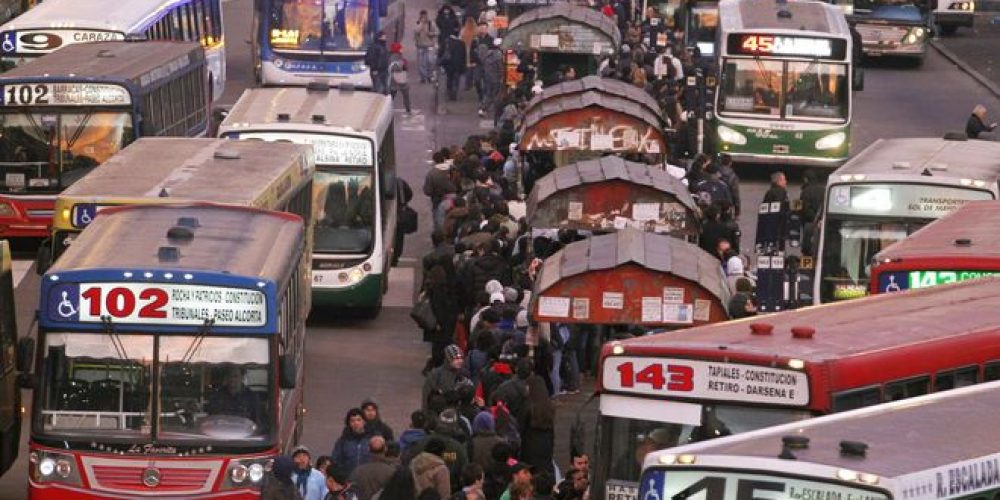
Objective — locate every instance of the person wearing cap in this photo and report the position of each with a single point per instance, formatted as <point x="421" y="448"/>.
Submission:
<point x="278" y="483"/>
<point x="373" y="420"/>
<point x="446" y="377"/>
<point x="398" y="75"/>
<point x="338" y="485"/>
<point x="351" y="449"/>
<point x="521" y="474"/>
<point x="429" y="469"/>
<point x="371" y="477"/>
<point x="377" y="60"/>
<point x="309" y="482"/>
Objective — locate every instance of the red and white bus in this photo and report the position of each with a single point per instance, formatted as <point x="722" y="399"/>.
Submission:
<point x="960" y="246"/>
<point x="665" y="390"/>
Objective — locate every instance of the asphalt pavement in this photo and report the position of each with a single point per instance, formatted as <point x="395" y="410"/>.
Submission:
<point x="976" y="51"/>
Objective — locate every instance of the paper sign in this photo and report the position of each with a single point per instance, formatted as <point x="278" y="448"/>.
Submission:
<point x="581" y="308"/>
<point x="673" y="295"/>
<point x="653" y="147"/>
<point x="763" y="262"/>
<point x="621" y="222"/>
<point x="775" y="207"/>
<point x="613" y="300"/>
<point x="557" y="307"/>
<point x="535" y="41"/>
<point x="702" y="309"/>
<point x="575" y="210"/>
<point x="651" y="309"/>
<point x="763" y="208"/>
<point x="645" y="211"/>
<point x="601" y="142"/>
<point x="598" y="48"/>
<point x="677" y="313"/>
<point x="777" y="262"/>
<point x="549" y="40"/>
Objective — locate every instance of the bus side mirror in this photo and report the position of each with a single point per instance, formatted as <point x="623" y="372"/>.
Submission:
<point x="287" y="372"/>
<point x="25" y="354"/>
<point x="858" y="83"/>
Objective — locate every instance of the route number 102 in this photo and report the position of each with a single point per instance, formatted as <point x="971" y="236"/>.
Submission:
<point x="679" y="378"/>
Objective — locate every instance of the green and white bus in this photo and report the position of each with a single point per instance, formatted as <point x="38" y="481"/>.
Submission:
<point x="355" y="200"/>
<point x="785" y="82"/>
<point x="936" y="447"/>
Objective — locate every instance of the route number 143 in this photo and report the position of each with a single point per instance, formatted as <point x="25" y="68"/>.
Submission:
<point x="679" y="378"/>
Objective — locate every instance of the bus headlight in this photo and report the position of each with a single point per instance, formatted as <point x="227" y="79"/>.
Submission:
<point x="916" y="35"/>
<point x="238" y="474"/>
<point x="247" y="472"/>
<point x="63" y="468"/>
<point x="46" y="467"/>
<point x="731" y="136"/>
<point x="832" y="141"/>
<point x="255" y="472"/>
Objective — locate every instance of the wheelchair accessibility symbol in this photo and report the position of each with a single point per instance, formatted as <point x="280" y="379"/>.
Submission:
<point x="8" y="42"/>
<point x="83" y="215"/>
<point x="63" y="304"/>
<point x="892" y="286"/>
<point x="65" y="307"/>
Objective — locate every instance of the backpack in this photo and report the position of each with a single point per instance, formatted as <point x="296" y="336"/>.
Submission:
<point x="711" y="191"/>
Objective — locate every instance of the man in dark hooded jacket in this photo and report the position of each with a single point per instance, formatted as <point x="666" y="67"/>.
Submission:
<point x="489" y="265"/>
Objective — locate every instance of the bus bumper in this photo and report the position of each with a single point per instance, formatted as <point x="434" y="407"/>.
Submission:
<point x="365" y="293"/>
<point x="794" y="161"/>
<point x="30" y="218"/>
<point x="271" y="74"/>
<point x="916" y="50"/>
<point x="51" y="491"/>
<point x="954" y="18"/>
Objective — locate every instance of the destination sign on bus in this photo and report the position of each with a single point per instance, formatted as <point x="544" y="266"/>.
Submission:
<point x="329" y="149"/>
<point x="904" y="280"/>
<point x="156" y="304"/>
<point x="64" y="94"/>
<point x="686" y="378"/>
<point x="919" y="201"/>
<point x="45" y="41"/>
<point x="725" y="484"/>
<point x="765" y="44"/>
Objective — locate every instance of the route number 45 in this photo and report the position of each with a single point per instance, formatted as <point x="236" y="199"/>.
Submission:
<point x="715" y="488"/>
<point x="678" y="378"/>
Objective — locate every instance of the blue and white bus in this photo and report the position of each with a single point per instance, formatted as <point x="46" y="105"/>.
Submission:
<point x="57" y="23"/>
<point x="301" y="41"/>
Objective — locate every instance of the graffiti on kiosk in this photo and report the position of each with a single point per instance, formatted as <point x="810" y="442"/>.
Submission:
<point x="596" y="137"/>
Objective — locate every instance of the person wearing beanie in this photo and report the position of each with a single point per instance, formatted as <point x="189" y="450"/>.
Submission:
<point x="484" y="438"/>
<point x="373" y="420"/>
<point x="493" y="286"/>
<point x="308" y="481"/>
<point x="279" y="485"/>
<point x="448" y="376"/>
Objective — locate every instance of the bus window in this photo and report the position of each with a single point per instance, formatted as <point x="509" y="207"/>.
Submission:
<point x="992" y="371"/>
<point x="752" y="86"/>
<point x="316" y="25"/>
<point x="952" y="379"/>
<point x="816" y="90"/>
<point x="902" y="389"/>
<point x="346" y="222"/>
<point x="858" y="398"/>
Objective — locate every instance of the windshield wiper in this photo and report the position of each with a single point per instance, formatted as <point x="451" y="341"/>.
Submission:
<point x="192" y="349"/>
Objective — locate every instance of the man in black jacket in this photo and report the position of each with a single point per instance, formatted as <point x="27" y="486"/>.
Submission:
<point x="377" y="59"/>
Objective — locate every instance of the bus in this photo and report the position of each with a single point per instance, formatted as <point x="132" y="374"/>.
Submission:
<point x="54" y="24"/>
<point x="785" y="82"/>
<point x="888" y="191"/>
<point x="962" y="245"/>
<point x="67" y="112"/>
<point x="180" y="170"/>
<point x="354" y="189"/>
<point x="893" y="28"/>
<point x="12" y="361"/>
<point x="296" y="42"/>
<point x="935" y="447"/>
<point x="170" y="355"/>
<point x="666" y="389"/>
<point x="949" y="15"/>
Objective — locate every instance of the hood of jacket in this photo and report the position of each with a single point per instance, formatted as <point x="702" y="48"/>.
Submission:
<point x="426" y="462"/>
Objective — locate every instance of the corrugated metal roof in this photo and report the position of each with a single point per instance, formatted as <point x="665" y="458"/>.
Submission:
<point x="975" y="221"/>
<point x="574" y="102"/>
<point x="609" y="86"/>
<point x="657" y="252"/>
<point x="604" y="169"/>
<point x="572" y="13"/>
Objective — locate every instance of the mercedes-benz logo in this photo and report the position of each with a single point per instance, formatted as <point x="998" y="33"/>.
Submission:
<point x="151" y="477"/>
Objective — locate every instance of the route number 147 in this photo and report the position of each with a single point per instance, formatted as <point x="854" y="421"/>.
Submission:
<point x="679" y="378"/>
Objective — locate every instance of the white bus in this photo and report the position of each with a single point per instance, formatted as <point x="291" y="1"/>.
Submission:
<point x="56" y="23"/>
<point x="785" y="81"/>
<point x="888" y="191"/>
<point x="949" y="15"/>
<point x="936" y="447"/>
<point x="355" y="189"/>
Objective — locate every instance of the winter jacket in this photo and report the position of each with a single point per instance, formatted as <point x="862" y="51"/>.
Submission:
<point x="455" y="456"/>
<point x="379" y="428"/>
<point x="485" y="268"/>
<point x="437" y="183"/>
<point x="454" y="58"/>
<point x="493" y="66"/>
<point x="371" y="477"/>
<point x="481" y="448"/>
<point x="277" y="490"/>
<point x="425" y="35"/>
<point x="377" y="57"/>
<point x="430" y="471"/>
<point x="409" y="437"/>
<point x="441" y="380"/>
<point x="351" y="450"/>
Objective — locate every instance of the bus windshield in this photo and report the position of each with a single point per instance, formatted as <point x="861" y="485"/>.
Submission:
<point x="103" y="384"/>
<point x="47" y="152"/>
<point x="321" y="25"/>
<point x="345" y="212"/>
<point x="789" y="90"/>
<point x="848" y="249"/>
<point x="631" y="439"/>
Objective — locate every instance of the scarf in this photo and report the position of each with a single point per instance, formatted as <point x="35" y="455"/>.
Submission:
<point x="302" y="481"/>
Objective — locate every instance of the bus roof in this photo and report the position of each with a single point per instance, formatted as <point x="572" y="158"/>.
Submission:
<point x="842" y="329"/>
<point x="905" y="436"/>
<point x="975" y="221"/>
<point x="356" y="111"/>
<point x="106" y="60"/>
<point x="924" y="158"/>
<point x="166" y="169"/>
<point x="806" y="16"/>
<point x="237" y="241"/>
<point x="113" y="15"/>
